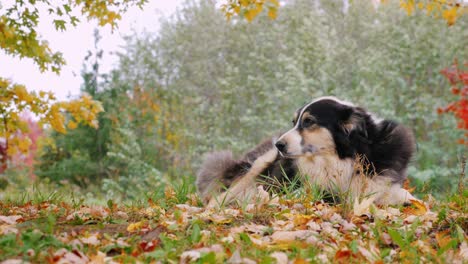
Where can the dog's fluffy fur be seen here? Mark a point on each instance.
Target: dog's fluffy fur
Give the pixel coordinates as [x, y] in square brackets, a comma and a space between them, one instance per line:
[329, 139]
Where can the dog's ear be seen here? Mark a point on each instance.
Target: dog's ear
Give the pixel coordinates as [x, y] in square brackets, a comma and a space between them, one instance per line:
[353, 137]
[353, 121]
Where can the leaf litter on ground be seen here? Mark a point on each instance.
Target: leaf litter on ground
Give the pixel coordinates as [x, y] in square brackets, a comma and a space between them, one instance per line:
[279, 230]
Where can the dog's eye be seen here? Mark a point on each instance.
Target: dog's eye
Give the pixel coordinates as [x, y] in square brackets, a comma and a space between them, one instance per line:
[307, 122]
[293, 121]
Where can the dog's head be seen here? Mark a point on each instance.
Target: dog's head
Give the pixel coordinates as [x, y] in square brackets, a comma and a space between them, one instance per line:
[325, 125]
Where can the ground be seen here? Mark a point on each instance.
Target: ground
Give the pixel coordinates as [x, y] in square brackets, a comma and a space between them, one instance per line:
[175, 228]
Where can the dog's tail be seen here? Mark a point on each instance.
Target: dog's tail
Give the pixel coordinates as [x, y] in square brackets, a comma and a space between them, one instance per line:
[217, 172]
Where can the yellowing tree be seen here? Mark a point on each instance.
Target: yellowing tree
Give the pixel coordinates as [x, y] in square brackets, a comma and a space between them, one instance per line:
[249, 9]
[19, 38]
[449, 10]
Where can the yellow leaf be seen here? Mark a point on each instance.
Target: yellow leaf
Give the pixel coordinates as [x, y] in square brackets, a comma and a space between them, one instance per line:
[21, 93]
[11, 151]
[408, 6]
[220, 219]
[419, 208]
[450, 15]
[244, 3]
[72, 125]
[23, 145]
[249, 15]
[302, 219]
[135, 226]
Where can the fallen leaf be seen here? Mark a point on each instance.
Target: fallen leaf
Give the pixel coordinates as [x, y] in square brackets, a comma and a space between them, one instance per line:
[87, 213]
[343, 256]
[464, 251]
[370, 256]
[280, 257]
[135, 226]
[14, 261]
[189, 256]
[195, 254]
[10, 220]
[258, 241]
[147, 246]
[347, 226]
[121, 215]
[189, 209]
[386, 239]
[410, 219]
[256, 229]
[301, 219]
[74, 256]
[220, 219]
[363, 207]
[99, 258]
[7, 229]
[291, 236]
[300, 261]
[312, 225]
[443, 238]
[235, 258]
[91, 240]
[417, 208]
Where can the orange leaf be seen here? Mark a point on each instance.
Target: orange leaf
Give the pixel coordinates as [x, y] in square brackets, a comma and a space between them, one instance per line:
[343, 256]
[417, 208]
[300, 261]
[443, 238]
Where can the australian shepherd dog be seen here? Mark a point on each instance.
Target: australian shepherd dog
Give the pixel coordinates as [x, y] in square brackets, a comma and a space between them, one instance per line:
[329, 138]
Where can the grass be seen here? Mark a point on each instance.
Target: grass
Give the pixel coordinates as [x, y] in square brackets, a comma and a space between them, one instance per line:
[170, 225]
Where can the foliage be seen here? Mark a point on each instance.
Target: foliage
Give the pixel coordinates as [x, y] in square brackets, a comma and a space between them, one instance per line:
[249, 9]
[458, 78]
[18, 37]
[15, 99]
[134, 177]
[26, 162]
[449, 10]
[19, 22]
[115, 154]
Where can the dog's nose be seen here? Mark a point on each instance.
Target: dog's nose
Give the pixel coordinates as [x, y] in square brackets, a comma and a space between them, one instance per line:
[280, 145]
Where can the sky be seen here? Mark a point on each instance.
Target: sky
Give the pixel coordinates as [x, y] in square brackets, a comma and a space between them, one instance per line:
[74, 44]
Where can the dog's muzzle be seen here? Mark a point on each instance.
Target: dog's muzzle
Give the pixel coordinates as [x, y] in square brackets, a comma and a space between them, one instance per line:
[283, 149]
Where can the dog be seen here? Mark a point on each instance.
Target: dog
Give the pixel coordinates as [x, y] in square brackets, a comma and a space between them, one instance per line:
[330, 140]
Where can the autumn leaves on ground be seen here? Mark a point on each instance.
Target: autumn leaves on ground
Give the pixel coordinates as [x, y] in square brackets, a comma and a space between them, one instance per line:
[172, 226]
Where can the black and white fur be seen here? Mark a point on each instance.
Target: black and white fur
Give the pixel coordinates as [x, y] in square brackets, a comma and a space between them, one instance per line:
[327, 137]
